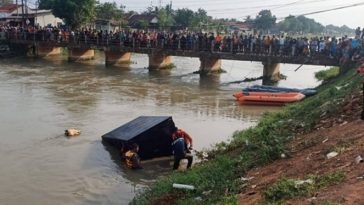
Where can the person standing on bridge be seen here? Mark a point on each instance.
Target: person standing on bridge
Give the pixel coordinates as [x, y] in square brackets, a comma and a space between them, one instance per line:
[357, 33]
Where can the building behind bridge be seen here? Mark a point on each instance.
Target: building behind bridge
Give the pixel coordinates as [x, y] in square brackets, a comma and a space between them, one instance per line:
[17, 15]
[143, 20]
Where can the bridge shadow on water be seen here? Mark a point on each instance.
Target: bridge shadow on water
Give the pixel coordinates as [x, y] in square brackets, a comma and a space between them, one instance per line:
[209, 81]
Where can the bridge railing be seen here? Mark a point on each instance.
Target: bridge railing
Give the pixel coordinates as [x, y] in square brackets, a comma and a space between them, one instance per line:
[196, 45]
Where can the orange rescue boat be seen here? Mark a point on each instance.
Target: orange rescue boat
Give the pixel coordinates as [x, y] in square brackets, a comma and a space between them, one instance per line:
[268, 98]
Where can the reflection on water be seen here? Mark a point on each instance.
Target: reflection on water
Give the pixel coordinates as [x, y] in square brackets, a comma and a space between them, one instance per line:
[41, 98]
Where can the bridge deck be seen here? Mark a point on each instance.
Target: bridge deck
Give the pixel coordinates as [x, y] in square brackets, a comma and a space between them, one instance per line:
[318, 59]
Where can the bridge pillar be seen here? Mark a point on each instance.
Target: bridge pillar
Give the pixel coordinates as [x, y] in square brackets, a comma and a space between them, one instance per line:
[210, 64]
[271, 71]
[46, 51]
[117, 58]
[80, 54]
[159, 61]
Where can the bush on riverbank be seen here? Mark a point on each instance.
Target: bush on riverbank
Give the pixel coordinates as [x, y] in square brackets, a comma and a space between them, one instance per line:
[326, 75]
[290, 188]
[220, 179]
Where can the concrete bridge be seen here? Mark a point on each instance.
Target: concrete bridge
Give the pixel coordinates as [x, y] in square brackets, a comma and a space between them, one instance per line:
[159, 58]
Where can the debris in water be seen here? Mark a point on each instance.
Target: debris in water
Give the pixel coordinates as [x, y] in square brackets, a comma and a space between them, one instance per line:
[72, 132]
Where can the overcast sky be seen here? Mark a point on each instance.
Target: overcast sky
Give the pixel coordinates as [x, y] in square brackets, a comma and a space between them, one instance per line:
[239, 9]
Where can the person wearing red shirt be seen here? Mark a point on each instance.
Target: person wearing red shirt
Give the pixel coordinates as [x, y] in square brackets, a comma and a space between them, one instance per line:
[182, 144]
[177, 133]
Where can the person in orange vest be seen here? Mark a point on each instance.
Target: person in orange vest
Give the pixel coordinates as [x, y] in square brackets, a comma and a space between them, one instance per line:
[132, 158]
[218, 41]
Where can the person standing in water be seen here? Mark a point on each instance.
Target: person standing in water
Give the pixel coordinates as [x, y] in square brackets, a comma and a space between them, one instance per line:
[132, 158]
[182, 143]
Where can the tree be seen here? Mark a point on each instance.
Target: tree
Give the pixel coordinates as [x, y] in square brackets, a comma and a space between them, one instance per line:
[142, 24]
[265, 20]
[200, 18]
[46, 4]
[165, 18]
[346, 30]
[336, 30]
[184, 17]
[300, 24]
[108, 11]
[75, 13]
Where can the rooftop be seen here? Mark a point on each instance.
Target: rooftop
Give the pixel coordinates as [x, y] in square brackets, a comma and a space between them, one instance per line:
[9, 8]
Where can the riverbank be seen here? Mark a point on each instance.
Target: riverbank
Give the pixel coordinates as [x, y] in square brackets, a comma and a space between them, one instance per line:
[260, 164]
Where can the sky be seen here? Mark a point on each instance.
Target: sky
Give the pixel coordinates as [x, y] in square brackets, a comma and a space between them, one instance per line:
[239, 9]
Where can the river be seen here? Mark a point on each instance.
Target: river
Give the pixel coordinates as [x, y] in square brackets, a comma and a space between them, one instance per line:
[42, 98]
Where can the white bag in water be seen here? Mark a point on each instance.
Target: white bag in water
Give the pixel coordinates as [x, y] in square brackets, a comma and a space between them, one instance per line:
[183, 186]
[72, 132]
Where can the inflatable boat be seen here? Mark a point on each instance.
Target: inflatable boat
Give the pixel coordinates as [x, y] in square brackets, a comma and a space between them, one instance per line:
[265, 88]
[268, 98]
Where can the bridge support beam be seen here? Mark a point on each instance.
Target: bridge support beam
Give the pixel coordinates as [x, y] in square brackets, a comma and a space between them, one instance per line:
[159, 61]
[80, 54]
[117, 58]
[47, 51]
[271, 72]
[210, 65]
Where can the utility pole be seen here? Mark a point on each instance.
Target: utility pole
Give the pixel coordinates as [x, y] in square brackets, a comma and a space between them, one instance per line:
[17, 9]
[36, 13]
[22, 13]
[26, 17]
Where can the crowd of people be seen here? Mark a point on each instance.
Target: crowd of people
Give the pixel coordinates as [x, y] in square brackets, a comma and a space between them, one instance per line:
[341, 48]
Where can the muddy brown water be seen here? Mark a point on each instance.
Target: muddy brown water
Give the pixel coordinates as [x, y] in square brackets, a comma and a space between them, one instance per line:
[39, 99]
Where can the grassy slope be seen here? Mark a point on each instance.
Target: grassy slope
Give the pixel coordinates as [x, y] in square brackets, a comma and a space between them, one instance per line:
[219, 180]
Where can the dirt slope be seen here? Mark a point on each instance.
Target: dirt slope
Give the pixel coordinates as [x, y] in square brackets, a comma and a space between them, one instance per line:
[343, 133]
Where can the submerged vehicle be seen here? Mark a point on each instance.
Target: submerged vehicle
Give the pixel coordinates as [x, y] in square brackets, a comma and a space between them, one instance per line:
[151, 133]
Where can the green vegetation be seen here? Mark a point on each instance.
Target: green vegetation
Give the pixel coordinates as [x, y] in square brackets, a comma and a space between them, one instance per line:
[290, 188]
[264, 20]
[75, 13]
[169, 67]
[217, 176]
[165, 17]
[182, 18]
[326, 203]
[256, 146]
[300, 24]
[109, 11]
[326, 75]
